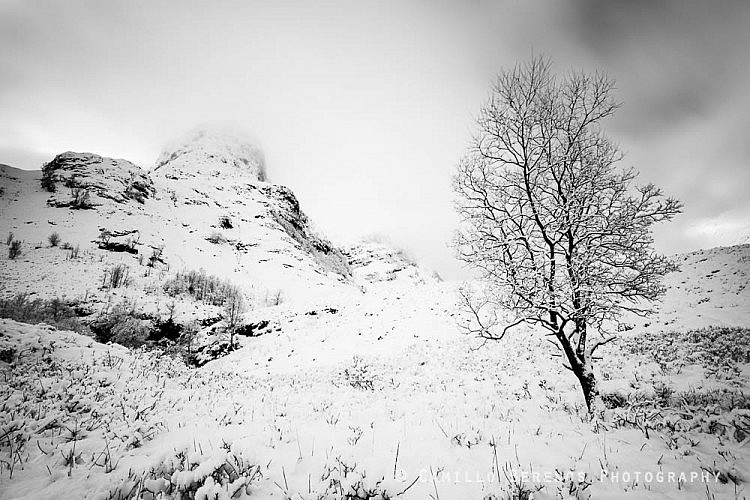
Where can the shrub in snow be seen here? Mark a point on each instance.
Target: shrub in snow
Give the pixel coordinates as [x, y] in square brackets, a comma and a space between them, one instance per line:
[54, 239]
[129, 333]
[104, 237]
[7, 354]
[234, 308]
[719, 349]
[683, 417]
[76, 415]
[117, 276]
[222, 474]
[48, 181]
[105, 241]
[73, 251]
[216, 238]
[14, 249]
[121, 325]
[9, 239]
[343, 478]
[358, 375]
[225, 222]
[55, 312]
[206, 288]
[80, 199]
[166, 329]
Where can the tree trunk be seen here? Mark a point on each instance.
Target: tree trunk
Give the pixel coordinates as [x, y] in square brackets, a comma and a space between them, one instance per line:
[588, 385]
[581, 367]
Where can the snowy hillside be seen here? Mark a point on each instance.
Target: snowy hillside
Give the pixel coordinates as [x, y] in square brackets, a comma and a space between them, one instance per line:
[210, 153]
[203, 207]
[373, 262]
[377, 395]
[352, 379]
[711, 287]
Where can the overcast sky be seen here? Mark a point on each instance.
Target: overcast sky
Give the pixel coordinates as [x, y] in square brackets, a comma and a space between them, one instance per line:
[364, 108]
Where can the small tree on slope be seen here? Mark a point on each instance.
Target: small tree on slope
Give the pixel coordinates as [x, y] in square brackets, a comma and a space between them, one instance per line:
[234, 308]
[560, 236]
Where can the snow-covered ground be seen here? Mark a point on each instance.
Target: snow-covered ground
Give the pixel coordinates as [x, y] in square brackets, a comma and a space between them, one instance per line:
[343, 396]
[363, 387]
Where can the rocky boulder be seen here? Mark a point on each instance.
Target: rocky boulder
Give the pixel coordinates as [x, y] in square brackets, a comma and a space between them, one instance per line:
[84, 180]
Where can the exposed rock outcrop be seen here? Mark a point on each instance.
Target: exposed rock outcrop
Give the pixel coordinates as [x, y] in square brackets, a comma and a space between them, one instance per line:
[228, 173]
[374, 261]
[84, 180]
[205, 205]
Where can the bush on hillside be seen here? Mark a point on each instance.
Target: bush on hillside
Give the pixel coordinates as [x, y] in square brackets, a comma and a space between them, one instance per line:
[56, 312]
[204, 287]
[117, 276]
[123, 325]
[225, 222]
[719, 349]
[80, 199]
[73, 251]
[187, 473]
[48, 181]
[14, 249]
[216, 238]
[54, 239]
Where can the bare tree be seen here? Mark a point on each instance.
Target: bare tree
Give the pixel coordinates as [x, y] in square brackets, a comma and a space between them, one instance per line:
[560, 234]
[234, 308]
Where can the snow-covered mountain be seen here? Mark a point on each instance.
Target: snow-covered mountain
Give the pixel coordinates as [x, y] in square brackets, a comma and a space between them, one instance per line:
[334, 399]
[205, 205]
[352, 378]
[210, 153]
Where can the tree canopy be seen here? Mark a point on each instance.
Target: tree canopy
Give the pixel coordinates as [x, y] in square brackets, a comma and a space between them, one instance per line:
[559, 233]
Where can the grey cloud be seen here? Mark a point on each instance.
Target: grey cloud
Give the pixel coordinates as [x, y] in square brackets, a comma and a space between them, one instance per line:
[368, 105]
[680, 60]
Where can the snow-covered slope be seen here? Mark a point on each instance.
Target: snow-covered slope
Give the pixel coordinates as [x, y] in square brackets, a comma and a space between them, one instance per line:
[206, 153]
[360, 384]
[711, 287]
[376, 395]
[374, 262]
[205, 206]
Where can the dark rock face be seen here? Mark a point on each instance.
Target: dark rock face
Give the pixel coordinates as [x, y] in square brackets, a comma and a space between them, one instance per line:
[230, 172]
[84, 180]
[296, 224]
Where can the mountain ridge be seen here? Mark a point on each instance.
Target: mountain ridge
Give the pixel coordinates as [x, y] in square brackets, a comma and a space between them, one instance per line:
[196, 209]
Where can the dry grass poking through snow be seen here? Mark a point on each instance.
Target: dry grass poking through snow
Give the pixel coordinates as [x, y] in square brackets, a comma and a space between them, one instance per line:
[375, 398]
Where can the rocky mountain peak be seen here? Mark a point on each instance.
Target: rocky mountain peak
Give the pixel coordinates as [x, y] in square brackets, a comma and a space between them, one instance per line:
[213, 153]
